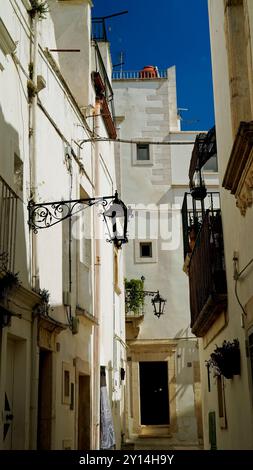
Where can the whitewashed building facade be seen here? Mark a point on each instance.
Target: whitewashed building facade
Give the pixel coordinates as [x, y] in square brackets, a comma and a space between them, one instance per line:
[163, 364]
[52, 350]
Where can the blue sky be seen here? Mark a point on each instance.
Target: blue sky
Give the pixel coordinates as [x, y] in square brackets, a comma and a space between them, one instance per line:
[165, 33]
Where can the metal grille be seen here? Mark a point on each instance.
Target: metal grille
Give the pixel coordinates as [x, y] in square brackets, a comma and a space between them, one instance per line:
[8, 225]
[207, 274]
[193, 213]
[137, 75]
[99, 29]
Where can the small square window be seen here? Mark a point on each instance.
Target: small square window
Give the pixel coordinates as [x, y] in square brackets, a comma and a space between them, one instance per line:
[146, 250]
[143, 152]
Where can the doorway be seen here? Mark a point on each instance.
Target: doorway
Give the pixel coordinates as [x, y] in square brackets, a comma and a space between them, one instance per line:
[154, 395]
[45, 401]
[84, 412]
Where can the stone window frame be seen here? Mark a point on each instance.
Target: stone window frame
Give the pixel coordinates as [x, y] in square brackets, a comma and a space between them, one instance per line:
[136, 162]
[144, 260]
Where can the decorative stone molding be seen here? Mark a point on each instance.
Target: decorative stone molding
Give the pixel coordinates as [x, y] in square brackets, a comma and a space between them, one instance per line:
[48, 329]
[238, 177]
[133, 323]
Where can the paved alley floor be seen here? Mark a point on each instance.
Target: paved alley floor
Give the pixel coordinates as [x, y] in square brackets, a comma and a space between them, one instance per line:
[158, 443]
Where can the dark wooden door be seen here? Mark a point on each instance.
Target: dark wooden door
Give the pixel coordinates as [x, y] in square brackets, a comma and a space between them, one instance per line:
[154, 394]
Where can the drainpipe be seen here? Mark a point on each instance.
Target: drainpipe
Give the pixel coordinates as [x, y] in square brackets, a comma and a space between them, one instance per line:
[97, 274]
[33, 146]
[33, 238]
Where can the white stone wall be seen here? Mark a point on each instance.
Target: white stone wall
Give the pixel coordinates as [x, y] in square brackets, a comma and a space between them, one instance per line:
[62, 169]
[237, 230]
[147, 111]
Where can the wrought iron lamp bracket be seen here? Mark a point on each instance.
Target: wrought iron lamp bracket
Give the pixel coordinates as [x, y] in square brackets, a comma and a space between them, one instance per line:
[47, 214]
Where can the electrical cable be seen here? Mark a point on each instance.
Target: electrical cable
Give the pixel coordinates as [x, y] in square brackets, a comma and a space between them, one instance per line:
[129, 141]
[238, 275]
[238, 300]
[244, 269]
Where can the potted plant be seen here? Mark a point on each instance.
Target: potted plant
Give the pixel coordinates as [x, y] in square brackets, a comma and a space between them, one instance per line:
[225, 360]
[134, 296]
[8, 282]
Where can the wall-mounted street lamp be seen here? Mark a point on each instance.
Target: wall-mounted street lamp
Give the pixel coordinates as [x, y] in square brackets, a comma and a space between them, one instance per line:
[47, 214]
[134, 295]
[157, 301]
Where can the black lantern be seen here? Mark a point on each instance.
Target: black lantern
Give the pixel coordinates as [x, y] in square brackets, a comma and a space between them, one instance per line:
[47, 214]
[197, 187]
[158, 303]
[116, 219]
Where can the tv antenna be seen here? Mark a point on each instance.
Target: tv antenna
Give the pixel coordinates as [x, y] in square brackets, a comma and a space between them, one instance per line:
[121, 58]
[188, 121]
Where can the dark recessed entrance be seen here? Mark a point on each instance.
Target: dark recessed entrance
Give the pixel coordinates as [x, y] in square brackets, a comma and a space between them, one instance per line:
[154, 395]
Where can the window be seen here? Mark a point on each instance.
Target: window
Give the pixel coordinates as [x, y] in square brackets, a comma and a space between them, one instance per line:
[66, 383]
[72, 396]
[66, 392]
[146, 250]
[143, 152]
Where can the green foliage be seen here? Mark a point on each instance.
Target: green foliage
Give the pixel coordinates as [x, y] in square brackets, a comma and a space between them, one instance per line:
[44, 293]
[134, 299]
[8, 282]
[39, 7]
[42, 307]
[225, 360]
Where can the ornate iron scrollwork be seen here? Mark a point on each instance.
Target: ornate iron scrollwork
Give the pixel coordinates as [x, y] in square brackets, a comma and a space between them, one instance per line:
[47, 214]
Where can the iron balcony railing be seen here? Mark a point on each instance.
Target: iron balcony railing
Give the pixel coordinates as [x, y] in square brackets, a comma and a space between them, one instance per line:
[104, 89]
[99, 29]
[207, 275]
[8, 226]
[193, 213]
[137, 75]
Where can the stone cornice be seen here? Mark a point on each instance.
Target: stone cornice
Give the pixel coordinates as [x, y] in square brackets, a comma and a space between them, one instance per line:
[238, 178]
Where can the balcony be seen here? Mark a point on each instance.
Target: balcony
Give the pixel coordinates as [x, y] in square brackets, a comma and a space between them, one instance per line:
[193, 213]
[134, 305]
[207, 275]
[8, 226]
[138, 75]
[104, 93]
[203, 241]
[99, 30]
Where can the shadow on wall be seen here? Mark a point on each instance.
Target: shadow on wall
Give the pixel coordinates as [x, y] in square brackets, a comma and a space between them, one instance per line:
[11, 170]
[186, 356]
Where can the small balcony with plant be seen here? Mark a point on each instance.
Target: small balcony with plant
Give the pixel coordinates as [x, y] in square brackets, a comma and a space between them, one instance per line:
[134, 306]
[104, 93]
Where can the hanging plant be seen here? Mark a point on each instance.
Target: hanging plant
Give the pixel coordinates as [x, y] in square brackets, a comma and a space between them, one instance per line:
[8, 282]
[225, 360]
[39, 7]
[134, 298]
